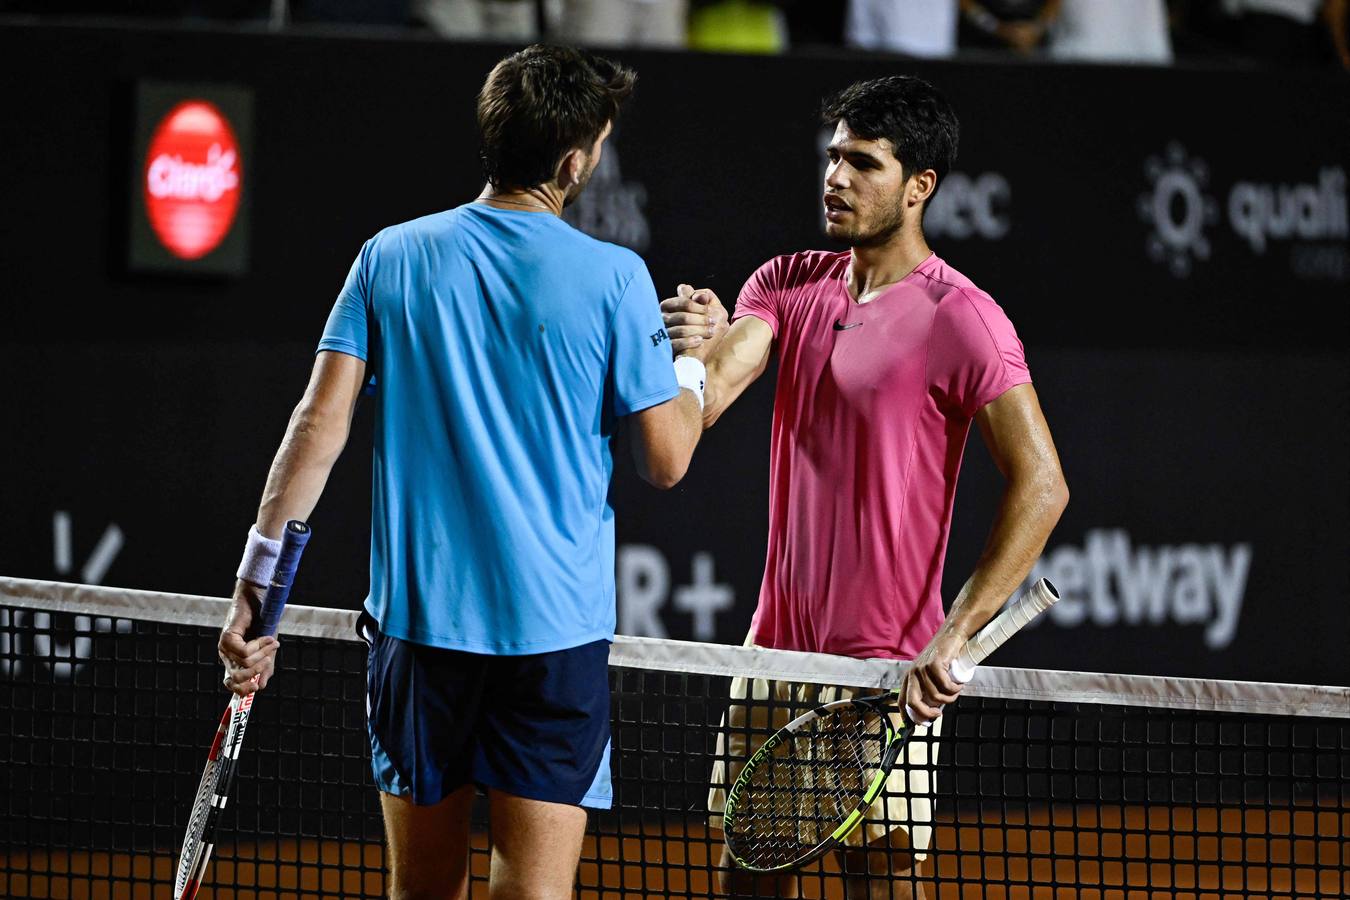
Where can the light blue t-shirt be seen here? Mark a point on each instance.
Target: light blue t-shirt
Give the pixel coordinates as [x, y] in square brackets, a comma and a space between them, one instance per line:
[505, 344]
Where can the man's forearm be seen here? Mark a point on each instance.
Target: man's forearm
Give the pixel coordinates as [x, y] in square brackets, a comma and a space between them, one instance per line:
[301, 468]
[739, 359]
[1027, 514]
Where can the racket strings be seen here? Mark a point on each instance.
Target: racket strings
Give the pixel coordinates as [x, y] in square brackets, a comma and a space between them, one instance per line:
[201, 809]
[797, 796]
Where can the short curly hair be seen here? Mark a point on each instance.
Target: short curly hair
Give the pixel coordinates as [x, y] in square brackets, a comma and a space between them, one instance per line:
[540, 103]
[918, 121]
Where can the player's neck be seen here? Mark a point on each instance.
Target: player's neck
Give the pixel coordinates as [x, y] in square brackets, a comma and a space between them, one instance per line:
[542, 198]
[875, 267]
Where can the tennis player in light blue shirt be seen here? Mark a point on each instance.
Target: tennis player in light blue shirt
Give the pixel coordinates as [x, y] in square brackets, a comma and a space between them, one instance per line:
[509, 344]
[505, 347]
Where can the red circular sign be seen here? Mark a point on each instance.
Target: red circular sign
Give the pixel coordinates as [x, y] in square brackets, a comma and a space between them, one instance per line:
[192, 179]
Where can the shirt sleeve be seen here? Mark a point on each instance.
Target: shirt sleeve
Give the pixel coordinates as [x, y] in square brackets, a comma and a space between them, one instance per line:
[759, 296]
[348, 327]
[975, 354]
[640, 371]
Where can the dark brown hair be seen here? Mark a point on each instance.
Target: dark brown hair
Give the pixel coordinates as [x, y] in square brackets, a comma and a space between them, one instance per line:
[919, 122]
[538, 104]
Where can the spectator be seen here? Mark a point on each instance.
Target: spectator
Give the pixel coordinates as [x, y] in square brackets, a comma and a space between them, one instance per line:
[1132, 31]
[511, 21]
[738, 26]
[1018, 25]
[914, 27]
[624, 23]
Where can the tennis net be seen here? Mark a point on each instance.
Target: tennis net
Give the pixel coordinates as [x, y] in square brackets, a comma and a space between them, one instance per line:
[1042, 784]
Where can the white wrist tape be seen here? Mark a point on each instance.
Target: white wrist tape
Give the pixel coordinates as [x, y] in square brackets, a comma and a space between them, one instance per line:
[260, 558]
[691, 374]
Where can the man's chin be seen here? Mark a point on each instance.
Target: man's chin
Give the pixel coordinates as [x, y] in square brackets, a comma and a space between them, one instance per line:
[837, 232]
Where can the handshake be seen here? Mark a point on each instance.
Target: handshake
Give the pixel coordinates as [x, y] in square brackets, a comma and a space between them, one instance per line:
[695, 321]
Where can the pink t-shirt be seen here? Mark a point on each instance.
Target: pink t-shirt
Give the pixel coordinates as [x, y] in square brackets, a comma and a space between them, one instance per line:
[873, 406]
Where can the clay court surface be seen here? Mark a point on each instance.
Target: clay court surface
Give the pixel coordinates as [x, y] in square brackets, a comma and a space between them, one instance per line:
[1088, 853]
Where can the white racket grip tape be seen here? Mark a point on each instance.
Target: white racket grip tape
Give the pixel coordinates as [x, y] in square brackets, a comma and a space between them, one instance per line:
[1033, 601]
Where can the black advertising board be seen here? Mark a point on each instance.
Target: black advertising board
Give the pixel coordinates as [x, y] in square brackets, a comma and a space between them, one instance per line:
[1174, 264]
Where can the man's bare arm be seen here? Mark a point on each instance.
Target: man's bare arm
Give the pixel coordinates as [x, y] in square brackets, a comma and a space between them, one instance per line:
[740, 358]
[734, 361]
[314, 439]
[664, 438]
[1018, 438]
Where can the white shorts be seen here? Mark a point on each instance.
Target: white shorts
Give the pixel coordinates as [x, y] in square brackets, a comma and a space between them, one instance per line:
[906, 802]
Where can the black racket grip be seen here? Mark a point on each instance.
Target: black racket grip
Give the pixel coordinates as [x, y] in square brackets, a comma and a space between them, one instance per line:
[293, 541]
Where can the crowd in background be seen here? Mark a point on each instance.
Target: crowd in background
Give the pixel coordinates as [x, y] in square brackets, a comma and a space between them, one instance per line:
[1281, 32]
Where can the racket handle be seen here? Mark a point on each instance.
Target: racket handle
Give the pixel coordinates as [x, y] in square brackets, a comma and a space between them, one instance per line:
[1034, 601]
[293, 541]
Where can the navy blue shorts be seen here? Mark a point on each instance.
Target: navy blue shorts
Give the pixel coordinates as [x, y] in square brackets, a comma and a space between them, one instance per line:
[535, 726]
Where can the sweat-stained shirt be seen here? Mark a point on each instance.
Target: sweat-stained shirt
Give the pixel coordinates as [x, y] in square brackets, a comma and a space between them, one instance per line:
[873, 405]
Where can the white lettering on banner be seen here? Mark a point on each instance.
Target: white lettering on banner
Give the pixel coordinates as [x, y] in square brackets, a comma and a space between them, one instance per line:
[98, 563]
[1180, 209]
[1307, 211]
[169, 176]
[27, 636]
[703, 597]
[1108, 581]
[643, 588]
[966, 207]
[642, 583]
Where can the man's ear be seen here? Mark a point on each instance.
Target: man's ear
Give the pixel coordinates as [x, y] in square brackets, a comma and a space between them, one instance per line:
[921, 186]
[570, 168]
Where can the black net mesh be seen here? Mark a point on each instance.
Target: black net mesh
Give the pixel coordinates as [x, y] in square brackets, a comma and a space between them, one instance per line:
[104, 726]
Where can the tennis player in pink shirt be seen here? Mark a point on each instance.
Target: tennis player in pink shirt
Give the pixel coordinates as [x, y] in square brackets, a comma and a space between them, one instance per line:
[886, 356]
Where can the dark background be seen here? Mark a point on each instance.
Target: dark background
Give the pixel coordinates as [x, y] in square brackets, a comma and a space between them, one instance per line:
[1197, 392]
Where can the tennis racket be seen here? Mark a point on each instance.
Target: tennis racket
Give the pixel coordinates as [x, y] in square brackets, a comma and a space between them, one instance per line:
[807, 788]
[214, 788]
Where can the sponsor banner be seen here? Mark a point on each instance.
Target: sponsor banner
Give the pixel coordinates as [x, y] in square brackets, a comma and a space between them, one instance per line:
[1188, 228]
[1309, 218]
[1205, 535]
[190, 173]
[1175, 279]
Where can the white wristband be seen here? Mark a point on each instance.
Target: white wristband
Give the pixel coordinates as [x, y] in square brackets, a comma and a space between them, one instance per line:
[260, 558]
[691, 374]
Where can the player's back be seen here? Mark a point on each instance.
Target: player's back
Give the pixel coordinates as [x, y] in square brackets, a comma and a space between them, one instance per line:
[491, 341]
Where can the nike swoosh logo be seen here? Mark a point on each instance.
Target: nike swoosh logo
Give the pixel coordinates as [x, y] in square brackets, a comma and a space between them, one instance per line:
[840, 326]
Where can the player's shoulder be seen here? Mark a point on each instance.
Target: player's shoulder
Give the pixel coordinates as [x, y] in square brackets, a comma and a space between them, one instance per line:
[616, 256]
[946, 285]
[393, 237]
[800, 269]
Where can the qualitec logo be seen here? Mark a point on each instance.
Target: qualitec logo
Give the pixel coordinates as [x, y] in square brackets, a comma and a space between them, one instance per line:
[192, 179]
[1179, 209]
[1309, 219]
